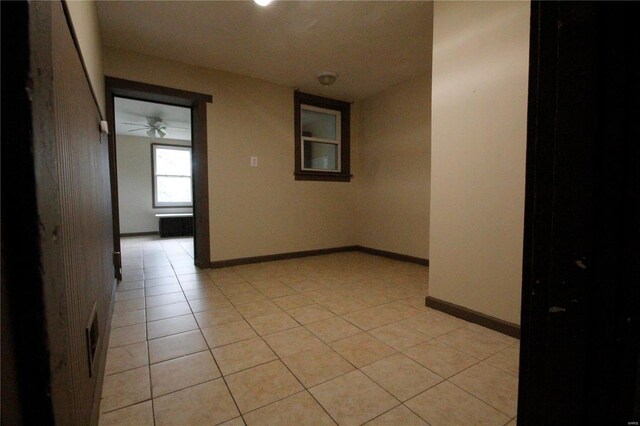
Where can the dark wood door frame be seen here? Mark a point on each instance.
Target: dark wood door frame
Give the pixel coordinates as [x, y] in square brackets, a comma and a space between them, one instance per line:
[581, 293]
[116, 87]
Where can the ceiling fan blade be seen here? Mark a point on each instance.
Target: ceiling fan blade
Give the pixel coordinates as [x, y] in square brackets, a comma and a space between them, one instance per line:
[135, 124]
[162, 132]
[178, 128]
[151, 133]
[137, 130]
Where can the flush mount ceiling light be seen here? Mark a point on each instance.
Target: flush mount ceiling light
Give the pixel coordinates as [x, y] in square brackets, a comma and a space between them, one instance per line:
[327, 78]
[263, 2]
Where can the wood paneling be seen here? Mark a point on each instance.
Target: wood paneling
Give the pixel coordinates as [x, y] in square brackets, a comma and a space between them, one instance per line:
[74, 206]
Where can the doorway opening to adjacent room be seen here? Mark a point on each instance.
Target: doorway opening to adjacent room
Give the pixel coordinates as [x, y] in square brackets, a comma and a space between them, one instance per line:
[158, 167]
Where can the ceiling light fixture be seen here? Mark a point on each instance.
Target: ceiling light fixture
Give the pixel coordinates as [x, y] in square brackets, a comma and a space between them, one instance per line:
[263, 2]
[327, 78]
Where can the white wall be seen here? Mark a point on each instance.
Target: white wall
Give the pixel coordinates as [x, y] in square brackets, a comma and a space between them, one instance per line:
[135, 196]
[84, 17]
[394, 158]
[479, 121]
[253, 210]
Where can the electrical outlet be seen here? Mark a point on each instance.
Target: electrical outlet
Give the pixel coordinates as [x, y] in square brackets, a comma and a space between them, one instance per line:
[254, 161]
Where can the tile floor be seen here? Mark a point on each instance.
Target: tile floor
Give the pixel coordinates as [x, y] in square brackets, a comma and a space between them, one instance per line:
[336, 339]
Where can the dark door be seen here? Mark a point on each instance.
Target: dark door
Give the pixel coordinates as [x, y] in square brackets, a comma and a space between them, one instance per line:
[581, 305]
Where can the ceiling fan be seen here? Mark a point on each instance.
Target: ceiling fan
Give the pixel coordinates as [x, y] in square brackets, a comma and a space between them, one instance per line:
[155, 127]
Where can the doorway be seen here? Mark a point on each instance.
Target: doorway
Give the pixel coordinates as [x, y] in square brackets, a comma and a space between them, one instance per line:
[145, 104]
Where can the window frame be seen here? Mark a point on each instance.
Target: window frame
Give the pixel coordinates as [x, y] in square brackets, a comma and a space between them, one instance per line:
[164, 205]
[342, 110]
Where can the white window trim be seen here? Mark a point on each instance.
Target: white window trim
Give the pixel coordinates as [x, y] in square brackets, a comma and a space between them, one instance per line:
[161, 204]
[337, 141]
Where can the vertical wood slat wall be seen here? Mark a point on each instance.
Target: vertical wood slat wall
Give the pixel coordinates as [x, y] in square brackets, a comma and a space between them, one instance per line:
[84, 225]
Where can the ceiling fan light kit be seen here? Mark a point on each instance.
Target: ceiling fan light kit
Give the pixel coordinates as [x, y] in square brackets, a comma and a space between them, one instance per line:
[155, 127]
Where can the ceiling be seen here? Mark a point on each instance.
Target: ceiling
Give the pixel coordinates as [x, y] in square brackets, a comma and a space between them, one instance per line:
[372, 45]
[178, 119]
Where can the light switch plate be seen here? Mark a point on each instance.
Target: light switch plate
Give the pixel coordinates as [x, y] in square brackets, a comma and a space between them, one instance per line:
[254, 161]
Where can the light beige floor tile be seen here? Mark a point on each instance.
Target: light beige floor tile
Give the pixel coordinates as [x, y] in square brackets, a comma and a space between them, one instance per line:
[258, 309]
[401, 376]
[180, 373]
[367, 319]
[154, 282]
[126, 358]
[447, 404]
[202, 293]
[168, 311]
[134, 415]
[440, 358]
[243, 355]
[399, 336]
[506, 360]
[200, 276]
[209, 304]
[333, 329]
[176, 345]
[129, 294]
[310, 314]
[262, 385]
[494, 335]
[158, 272]
[353, 399]
[513, 422]
[128, 305]
[163, 289]
[165, 299]
[342, 305]
[132, 275]
[399, 416]
[317, 366]
[218, 316]
[434, 325]
[249, 296]
[234, 288]
[304, 285]
[225, 334]
[289, 342]
[480, 346]
[122, 319]
[131, 285]
[299, 409]
[492, 385]
[127, 335]
[362, 349]
[272, 323]
[293, 301]
[205, 404]
[234, 422]
[201, 284]
[278, 290]
[169, 326]
[126, 388]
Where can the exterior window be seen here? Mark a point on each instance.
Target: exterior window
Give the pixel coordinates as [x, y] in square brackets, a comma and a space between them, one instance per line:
[171, 169]
[322, 148]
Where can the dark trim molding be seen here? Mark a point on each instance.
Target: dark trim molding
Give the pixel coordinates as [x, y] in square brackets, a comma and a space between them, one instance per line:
[475, 317]
[395, 256]
[138, 234]
[280, 256]
[306, 253]
[344, 175]
[170, 96]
